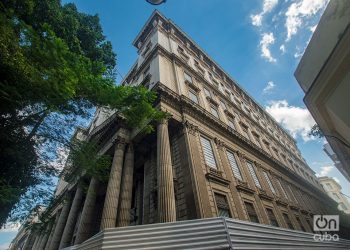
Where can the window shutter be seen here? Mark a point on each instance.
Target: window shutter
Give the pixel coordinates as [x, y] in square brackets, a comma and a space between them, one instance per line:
[269, 182]
[208, 152]
[283, 191]
[253, 174]
[234, 166]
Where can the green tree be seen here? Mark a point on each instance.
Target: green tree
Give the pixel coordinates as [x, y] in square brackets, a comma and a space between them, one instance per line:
[55, 67]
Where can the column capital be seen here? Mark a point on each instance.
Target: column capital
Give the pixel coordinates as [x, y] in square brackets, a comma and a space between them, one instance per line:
[220, 144]
[164, 121]
[120, 141]
[192, 129]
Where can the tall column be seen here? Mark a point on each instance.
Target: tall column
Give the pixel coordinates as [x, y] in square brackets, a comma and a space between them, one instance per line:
[36, 242]
[43, 238]
[166, 196]
[48, 243]
[126, 189]
[72, 218]
[29, 242]
[86, 219]
[110, 208]
[61, 223]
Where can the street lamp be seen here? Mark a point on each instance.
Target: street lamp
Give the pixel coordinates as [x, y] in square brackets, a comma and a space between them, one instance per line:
[156, 2]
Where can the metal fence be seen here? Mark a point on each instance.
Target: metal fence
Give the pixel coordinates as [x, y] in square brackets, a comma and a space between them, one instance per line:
[213, 233]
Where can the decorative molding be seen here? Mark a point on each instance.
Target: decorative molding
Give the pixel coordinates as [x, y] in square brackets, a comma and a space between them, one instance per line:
[243, 187]
[219, 143]
[216, 176]
[192, 129]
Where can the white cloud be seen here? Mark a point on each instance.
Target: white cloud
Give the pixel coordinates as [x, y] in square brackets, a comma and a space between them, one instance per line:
[299, 11]
[298, 121]
[325, 171]
[10, 227]
[266, 41]
[256, 19]
[268, 5]
[270, 85]
[61, 158]
[336, 179]
[312, 28]
[4, 246]
[283, 49]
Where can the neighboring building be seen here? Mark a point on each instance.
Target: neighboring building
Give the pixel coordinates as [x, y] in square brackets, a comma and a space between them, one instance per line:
[324, 75]
[329, 151]
[220, 154]
[25, 237]
[333, 189]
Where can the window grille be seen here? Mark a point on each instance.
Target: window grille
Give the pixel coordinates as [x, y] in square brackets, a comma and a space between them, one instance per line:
[222, 205]
[272, 217]
[253, 216]
[288, 221]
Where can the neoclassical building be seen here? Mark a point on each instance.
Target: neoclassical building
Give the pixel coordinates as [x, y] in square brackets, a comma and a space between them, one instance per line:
[220, 154]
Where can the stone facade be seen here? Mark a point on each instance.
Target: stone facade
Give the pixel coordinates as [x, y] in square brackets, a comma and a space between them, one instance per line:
[220, 153]
[333, 189]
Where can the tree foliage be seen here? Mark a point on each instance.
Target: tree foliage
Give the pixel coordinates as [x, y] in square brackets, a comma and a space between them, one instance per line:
[55, 67]
[316, 131]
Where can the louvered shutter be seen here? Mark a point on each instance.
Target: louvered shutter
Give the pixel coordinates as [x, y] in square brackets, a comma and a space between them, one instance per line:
[253, 174]
[269, 182]
[234, 166]
[208, 152]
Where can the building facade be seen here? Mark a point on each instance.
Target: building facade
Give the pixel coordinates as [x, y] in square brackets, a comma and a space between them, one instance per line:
[333, 189]
[324, 75]
[220, 154]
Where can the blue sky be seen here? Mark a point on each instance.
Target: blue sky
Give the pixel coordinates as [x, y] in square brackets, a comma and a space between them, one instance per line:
[258, 42]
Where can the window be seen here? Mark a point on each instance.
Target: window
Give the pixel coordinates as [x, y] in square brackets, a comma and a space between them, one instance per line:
[208, 152]
[253, 217]
[222, 205]
[293, 195]
[223, 105]
[193, 95]
[233, 163]
[272, 217]
[269, 182]
[257, 140]
[288, 221]
[231, 123]
[336, 196]
[245, 132]
[283, 191]
[207, 92]
[146, 71]
[253, 174]
[188, 78]
[214, 111]
[328, 186]
[147, 49]
[300, 224]
[342, 206]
